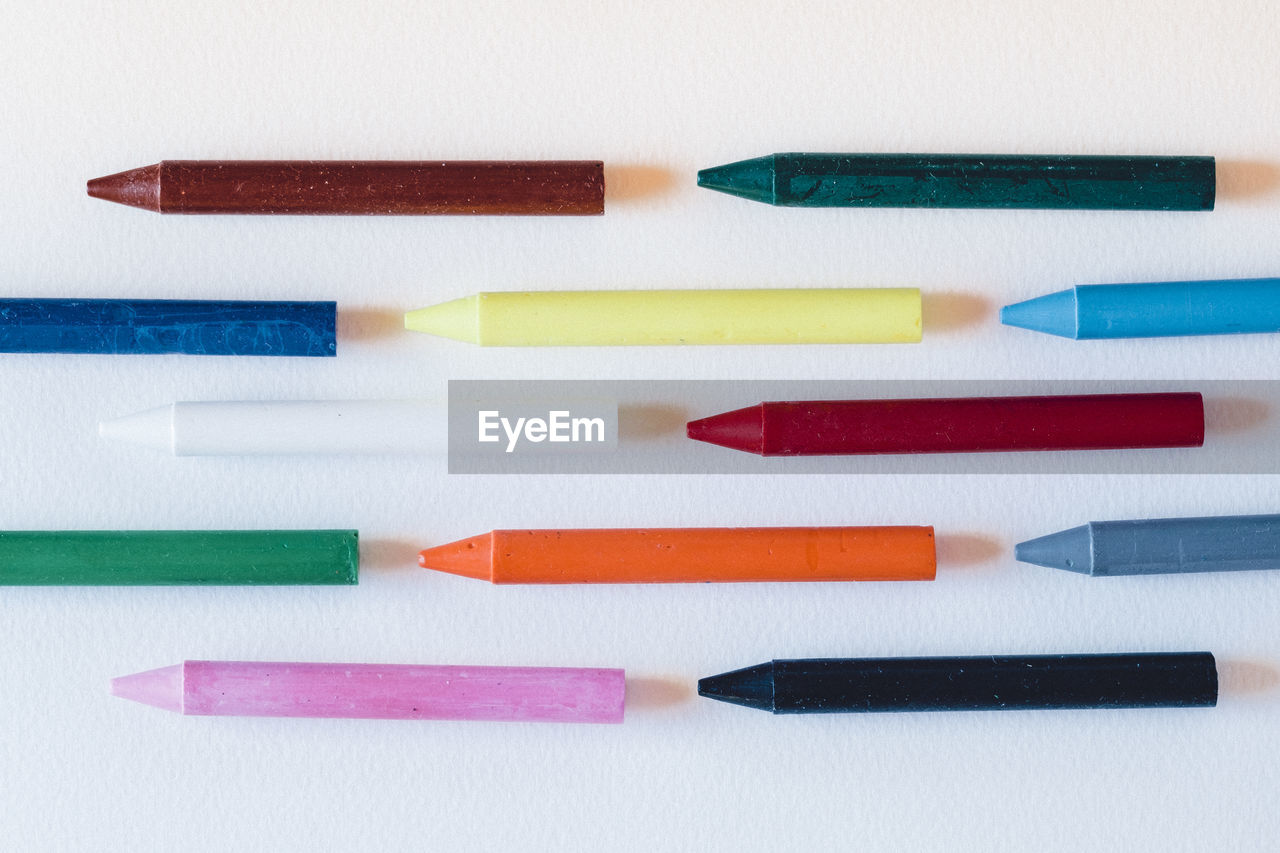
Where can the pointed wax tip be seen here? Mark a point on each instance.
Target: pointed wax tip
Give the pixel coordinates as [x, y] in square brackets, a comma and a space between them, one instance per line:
[468, 558]
[135, 188]
[1052, 314]
[749, 179]
[151, 428]
[1069, 550]
[161, 688]
[751, 687]
[741, 429]
[458, 319]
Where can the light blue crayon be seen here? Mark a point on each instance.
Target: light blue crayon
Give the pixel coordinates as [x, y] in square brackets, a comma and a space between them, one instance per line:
[1229, 543]
[1159, 310]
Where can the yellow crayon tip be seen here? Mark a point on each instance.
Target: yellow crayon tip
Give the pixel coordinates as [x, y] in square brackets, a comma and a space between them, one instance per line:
[458, 319]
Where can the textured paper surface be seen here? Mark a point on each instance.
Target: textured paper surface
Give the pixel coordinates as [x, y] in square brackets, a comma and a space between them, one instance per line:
[657, 90]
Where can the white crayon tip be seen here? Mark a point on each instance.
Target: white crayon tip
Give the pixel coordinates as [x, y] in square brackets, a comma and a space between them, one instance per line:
[152, 428]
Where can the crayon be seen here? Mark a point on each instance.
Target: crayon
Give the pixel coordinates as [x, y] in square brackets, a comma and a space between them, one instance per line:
[301, 427]
[671, 317]
[1157, 310]
[178, 557]
[1231, 543]
[156, 326]
[690, 555]
[381, 691]
[958, 425]
[1077, 182]
[987, 683]
[360, 187]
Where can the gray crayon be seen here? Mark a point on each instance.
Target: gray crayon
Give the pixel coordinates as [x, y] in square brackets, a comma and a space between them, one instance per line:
[1229, 543]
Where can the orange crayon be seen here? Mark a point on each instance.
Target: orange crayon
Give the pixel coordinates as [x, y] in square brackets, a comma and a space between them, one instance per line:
[690, 555]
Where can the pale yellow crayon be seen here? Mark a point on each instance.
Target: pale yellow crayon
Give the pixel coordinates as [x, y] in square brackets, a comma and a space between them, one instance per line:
[674, 317]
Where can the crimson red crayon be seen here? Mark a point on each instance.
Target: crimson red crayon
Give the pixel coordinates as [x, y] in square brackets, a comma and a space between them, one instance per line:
[958, 425]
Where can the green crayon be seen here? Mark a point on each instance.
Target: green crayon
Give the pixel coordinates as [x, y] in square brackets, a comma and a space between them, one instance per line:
[178, 557]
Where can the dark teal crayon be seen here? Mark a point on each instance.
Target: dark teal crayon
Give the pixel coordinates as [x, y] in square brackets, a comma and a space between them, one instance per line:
[1081, 182]
[155, 326]
[1229, 543]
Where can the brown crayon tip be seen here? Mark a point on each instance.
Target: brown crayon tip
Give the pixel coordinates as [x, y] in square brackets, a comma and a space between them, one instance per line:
[136, 188]
[469, 558]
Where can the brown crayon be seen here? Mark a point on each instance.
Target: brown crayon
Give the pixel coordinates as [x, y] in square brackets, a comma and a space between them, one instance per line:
[388, 188]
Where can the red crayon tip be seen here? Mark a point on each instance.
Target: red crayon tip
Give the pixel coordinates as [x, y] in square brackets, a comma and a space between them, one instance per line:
[136, 187]
[470, 558]
[741, 429]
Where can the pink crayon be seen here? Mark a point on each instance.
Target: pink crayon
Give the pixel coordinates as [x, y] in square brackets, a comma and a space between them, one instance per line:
[381, 691]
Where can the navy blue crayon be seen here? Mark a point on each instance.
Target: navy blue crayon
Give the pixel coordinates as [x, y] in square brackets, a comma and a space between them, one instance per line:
[987, 683]
[1229, 543]
[154, 326]
[1157, 310]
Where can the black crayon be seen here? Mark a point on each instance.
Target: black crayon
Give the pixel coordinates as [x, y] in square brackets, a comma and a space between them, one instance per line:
[989, 683]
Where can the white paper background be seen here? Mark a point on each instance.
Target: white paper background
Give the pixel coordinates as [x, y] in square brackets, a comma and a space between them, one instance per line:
[657, 90]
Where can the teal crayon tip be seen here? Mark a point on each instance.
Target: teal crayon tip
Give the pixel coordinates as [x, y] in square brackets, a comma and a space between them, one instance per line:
[1069, 550]
[749, 179]
[1053, 314]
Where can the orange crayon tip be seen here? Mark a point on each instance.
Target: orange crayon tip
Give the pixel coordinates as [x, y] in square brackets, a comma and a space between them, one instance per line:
[469, 558]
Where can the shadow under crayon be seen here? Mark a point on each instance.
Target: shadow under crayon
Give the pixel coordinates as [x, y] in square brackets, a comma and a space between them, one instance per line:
[656, 693]
[634, 183]
[1243, 676]
[389, 555]
[948, 311]
[362, 324]
[967, 549]
[1234, 414]
[1240, 179]
[639, 423]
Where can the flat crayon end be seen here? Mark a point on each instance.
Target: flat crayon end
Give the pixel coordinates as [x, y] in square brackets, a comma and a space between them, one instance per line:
[1069, 550]
[751, 687]
[152, 428]
[741, 429]
[161, 688]
[135, 188]
[468, 558]
[458, 319]
[749, 179]
[1053, 314]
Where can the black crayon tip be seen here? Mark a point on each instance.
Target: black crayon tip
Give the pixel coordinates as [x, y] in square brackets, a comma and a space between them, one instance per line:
[752, 687]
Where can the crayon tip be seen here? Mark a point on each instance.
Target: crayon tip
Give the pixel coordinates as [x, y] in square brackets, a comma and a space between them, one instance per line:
[751, 687]
[161, 688]
[1070, 550]
[468, 558]
[135, 188]
[458, 319]
[750, 179]
[152, 428]
[1053, 314]
[741, 429]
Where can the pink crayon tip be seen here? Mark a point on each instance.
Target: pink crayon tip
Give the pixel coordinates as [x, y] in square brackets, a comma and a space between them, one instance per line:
[159, 687]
